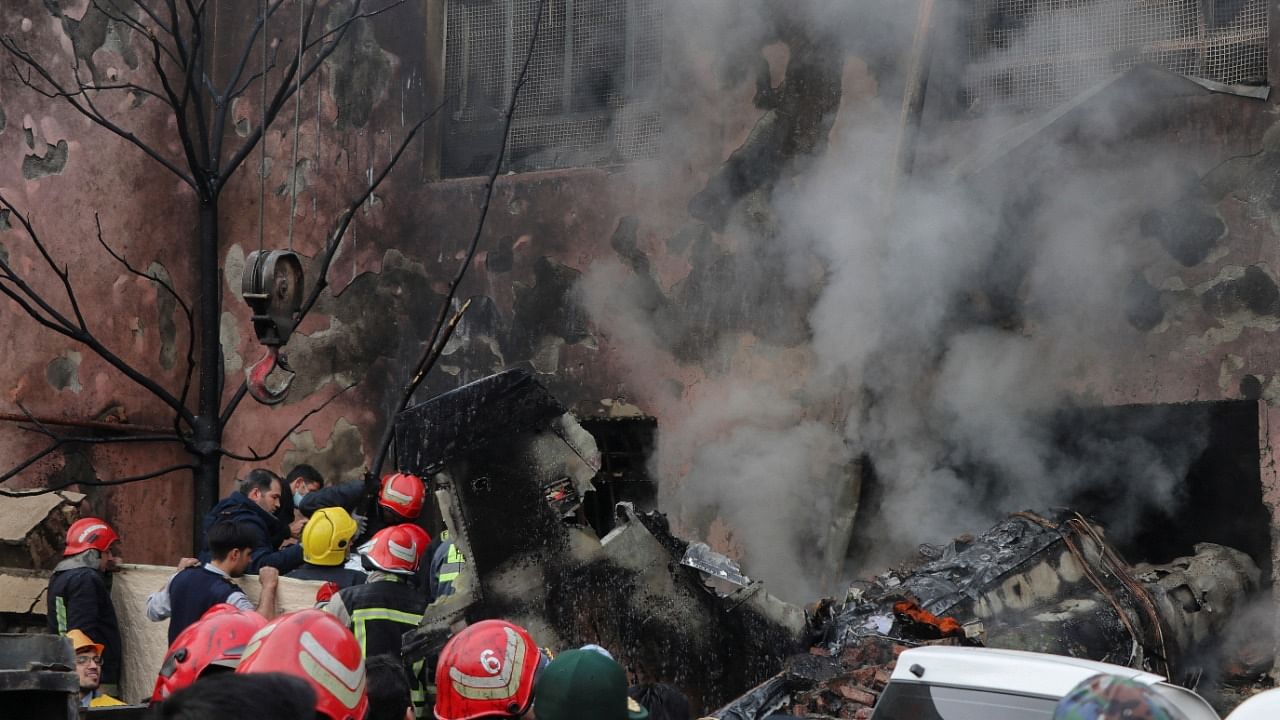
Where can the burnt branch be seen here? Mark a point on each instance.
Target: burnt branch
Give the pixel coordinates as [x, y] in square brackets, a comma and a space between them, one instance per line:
[335, 241]
[81, 103]
[295, 76]
[167, 287]
[442, 326]
[249, 44]
[255, 456]
[33, 303]
[59, 440]
[97, 483]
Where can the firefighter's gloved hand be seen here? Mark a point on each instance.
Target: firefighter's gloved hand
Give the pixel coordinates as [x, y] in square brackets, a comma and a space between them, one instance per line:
[362, 524]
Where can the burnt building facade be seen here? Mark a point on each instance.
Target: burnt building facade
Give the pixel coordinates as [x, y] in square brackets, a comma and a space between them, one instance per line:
[877, 274]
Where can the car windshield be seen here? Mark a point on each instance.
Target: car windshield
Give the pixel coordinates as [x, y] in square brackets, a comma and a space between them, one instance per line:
[919, 701]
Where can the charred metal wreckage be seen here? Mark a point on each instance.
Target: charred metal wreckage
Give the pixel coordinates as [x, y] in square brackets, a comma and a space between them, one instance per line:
[511, 466]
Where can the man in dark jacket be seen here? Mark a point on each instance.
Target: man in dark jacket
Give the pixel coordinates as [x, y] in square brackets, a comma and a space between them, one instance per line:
[302, 479]
[252, 506]
[79, 595]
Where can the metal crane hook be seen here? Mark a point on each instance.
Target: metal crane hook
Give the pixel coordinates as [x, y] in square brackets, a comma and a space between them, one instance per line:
[256, 377]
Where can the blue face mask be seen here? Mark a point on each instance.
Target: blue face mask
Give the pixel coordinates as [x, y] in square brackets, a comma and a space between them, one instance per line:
[297, 499]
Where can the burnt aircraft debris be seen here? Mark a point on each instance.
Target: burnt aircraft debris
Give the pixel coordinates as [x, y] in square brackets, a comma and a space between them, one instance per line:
[511, 467]
[501, 452]
[1029, 583]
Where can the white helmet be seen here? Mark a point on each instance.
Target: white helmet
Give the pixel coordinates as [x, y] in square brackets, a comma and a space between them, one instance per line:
[1263, 706]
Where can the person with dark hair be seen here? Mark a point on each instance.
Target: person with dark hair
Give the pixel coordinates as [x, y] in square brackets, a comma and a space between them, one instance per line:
[253, 505]
[300, 481]
[664, 701]
[388, 689]
[194, 590]
[265, 696]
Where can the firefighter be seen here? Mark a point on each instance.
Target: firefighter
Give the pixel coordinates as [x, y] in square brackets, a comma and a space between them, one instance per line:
[446, 564]
[193, 591]
[474, 660]
[326, 544]
[387, 606]
[89, 669]
[213, 644]
[400, 500]
[422, 579]
[314, 646]
[79, 594]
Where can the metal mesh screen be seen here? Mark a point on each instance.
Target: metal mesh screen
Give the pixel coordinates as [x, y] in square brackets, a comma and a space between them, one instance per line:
[590, 98]
[1029, 54]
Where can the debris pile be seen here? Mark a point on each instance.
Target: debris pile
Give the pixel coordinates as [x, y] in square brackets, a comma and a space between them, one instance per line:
[1051, 585]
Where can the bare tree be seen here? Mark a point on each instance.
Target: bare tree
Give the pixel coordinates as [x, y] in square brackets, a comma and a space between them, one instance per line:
[177, 74]
[199, 101]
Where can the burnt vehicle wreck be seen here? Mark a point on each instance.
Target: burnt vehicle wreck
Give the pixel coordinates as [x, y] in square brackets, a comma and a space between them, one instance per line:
[511, 467]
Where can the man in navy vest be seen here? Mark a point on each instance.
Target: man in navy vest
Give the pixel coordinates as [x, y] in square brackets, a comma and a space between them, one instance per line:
[194, 590]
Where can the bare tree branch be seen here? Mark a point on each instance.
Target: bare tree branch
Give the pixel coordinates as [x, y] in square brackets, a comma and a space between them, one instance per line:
[335, 241]
[255, 456]
[97, 483]
[58, 441]
[84, 108]
[348, 21]
[26, 296]
[222, 102]
[441, 326]
[186, 311]
[288, 86]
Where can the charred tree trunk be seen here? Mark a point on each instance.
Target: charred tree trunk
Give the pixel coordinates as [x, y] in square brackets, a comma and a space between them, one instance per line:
[208, 430]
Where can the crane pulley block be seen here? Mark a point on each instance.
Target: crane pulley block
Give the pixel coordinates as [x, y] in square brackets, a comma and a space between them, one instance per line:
[272, 286]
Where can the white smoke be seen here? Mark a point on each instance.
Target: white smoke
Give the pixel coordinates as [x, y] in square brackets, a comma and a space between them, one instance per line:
[943, 335]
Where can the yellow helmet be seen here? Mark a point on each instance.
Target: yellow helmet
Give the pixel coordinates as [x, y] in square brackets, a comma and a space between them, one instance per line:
[326, 538]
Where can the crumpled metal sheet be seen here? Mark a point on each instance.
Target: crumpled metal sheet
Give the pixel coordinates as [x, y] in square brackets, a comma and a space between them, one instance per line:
[967, 569]
[702, 558]
[455, 423]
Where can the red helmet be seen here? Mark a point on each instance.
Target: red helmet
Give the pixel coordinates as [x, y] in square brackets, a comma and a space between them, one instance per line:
[314, 646]
[89, 534]
[403, 494]
[395, 549]
[421, 535]
[216, 639]
[486, 671]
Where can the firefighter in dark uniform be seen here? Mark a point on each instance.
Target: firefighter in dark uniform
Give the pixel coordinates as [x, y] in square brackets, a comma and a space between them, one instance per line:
[446, 563]
[79, 595]
[326, 544]
[388, 605]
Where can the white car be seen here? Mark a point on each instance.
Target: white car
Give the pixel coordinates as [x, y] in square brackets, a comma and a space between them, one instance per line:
[956, 683]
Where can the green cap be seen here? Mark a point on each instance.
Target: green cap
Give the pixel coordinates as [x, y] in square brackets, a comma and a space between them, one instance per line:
[584, 685]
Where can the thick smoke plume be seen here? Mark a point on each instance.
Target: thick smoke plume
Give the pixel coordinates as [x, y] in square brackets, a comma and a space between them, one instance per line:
[946, 322]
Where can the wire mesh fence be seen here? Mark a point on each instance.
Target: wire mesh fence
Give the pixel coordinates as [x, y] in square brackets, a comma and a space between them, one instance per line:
[1029, 54]
[590, 98]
